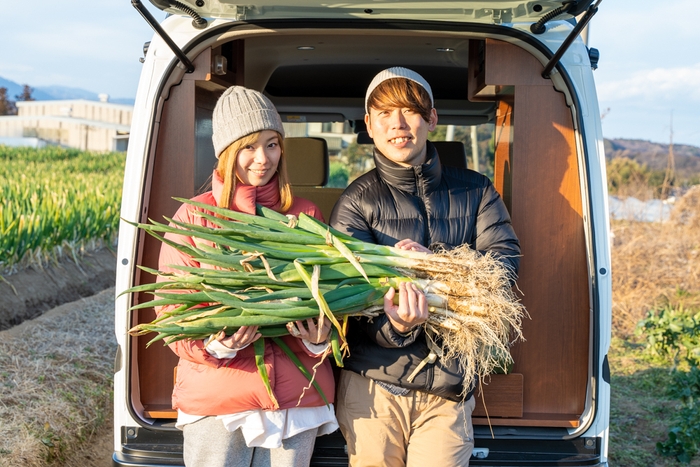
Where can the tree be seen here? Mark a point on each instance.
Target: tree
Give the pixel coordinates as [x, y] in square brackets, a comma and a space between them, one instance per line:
[627, 177]
[339, 175]
[358, 157]
[485, 141]
[7, 107]
[26, 94]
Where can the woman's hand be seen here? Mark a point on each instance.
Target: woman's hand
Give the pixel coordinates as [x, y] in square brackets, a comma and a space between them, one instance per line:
[244, 336]
[311, 332]
[408, 244]
[411, 311]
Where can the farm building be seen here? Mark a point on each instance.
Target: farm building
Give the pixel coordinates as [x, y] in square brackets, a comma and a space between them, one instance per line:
[82, 124]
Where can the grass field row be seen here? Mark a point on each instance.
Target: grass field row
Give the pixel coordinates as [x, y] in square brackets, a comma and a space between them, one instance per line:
[56, 199]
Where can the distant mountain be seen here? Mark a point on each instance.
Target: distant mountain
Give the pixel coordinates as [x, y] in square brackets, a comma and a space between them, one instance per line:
[52, 93]
[655, 155]
[13, 89]
[64, 92]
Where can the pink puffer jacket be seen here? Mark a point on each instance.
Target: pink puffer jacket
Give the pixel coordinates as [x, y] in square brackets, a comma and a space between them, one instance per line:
[206, 385]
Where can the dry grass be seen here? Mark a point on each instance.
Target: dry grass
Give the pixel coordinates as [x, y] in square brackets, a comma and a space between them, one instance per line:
[55, 381]
[656, 263]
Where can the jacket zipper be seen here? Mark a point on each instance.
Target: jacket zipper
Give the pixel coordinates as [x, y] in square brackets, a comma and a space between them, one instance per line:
[426, 241]
[424, 211]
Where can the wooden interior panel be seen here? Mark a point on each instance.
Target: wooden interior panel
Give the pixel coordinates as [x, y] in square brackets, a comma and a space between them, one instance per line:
[509, 65]
[173, 167]
[537, 174]
[553, 271]
[173, 174]
[500, 396]
[503, 150]
[476, 78]
[536, 171]
[204, 158]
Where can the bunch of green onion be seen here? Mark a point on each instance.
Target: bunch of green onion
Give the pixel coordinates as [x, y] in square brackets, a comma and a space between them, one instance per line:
[269, 270]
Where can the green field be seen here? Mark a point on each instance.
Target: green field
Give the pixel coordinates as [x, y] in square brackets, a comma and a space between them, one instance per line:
[56, 201]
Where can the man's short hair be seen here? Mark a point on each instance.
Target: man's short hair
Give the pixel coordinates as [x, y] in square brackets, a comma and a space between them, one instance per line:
[401, 93]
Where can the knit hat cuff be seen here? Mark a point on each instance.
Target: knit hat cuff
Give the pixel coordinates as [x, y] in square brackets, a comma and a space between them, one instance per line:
[397, 72]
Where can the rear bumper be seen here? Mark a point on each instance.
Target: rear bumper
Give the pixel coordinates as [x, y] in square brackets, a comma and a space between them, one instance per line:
[150, 448]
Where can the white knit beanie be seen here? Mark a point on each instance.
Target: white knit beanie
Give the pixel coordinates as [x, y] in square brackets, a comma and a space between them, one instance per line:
[397, 72]
[240, 112]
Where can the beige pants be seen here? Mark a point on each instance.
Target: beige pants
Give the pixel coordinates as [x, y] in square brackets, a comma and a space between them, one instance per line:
[415, 430]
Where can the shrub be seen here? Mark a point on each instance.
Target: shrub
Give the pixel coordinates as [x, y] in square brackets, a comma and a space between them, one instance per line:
[675, 332]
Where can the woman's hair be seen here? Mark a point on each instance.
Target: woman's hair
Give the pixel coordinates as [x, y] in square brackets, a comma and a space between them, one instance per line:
[401, 93]
[226, 168]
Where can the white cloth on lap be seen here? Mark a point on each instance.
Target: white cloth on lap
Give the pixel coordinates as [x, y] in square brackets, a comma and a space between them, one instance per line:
[267, 428]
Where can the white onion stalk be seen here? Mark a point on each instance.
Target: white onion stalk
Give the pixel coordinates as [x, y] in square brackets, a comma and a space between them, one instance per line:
[261, 277]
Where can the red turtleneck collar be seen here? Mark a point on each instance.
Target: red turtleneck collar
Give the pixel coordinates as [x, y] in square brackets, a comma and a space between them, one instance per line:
[245, 197]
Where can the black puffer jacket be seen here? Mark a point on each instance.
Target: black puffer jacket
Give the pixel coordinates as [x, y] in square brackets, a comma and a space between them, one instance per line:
[433, 205]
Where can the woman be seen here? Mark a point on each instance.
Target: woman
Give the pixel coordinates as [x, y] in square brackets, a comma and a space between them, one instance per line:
[224, 410]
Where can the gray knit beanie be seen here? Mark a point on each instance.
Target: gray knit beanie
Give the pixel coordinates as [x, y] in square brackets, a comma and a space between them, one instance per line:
[240, 112]
[397, 72]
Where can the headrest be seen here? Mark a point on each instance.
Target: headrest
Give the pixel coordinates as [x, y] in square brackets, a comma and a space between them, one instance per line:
[364, 138]
[307, 161]
[451, 153]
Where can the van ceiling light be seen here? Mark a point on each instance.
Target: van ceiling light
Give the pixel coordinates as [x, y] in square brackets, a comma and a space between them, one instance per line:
[306, 47]
[445, 49]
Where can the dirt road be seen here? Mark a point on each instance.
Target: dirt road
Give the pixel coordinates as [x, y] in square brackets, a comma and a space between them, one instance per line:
[66, 307]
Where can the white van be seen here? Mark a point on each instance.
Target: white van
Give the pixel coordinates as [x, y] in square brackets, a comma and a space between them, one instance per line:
[515, 68]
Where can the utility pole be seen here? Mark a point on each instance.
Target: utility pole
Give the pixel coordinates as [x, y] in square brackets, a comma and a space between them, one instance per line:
[450, 133]
[475, 149]
[670, 166]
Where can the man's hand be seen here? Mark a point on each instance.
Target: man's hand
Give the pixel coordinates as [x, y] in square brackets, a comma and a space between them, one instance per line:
[239, 339]
[311, 332]
[408, 244]
[411, 311]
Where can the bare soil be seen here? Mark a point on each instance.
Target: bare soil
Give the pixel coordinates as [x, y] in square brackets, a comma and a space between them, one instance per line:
[56, 365]
[37, 289]
[97, 447]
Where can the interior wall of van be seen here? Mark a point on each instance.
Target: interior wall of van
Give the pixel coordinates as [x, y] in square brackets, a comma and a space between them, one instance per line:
[536, 172]
[538, 139]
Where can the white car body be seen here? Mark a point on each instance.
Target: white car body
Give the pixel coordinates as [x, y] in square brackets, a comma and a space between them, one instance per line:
[581, 436]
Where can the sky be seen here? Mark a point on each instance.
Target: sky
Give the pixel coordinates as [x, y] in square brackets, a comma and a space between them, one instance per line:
[648, 76]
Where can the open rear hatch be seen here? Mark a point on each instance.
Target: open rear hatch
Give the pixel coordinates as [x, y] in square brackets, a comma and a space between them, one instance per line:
[539, 410]
[500, 11]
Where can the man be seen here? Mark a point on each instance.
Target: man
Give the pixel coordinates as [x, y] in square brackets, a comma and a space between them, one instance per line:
[400, 404]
